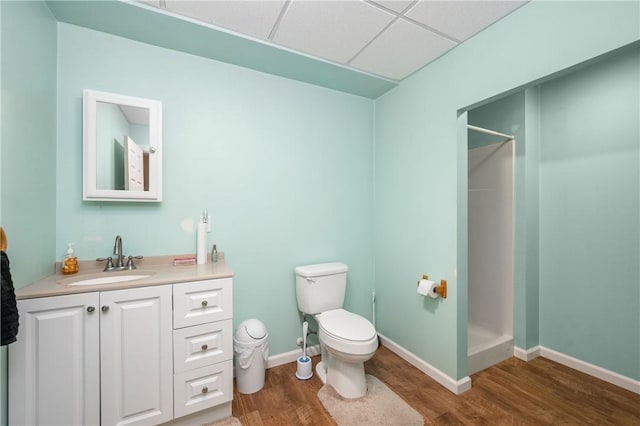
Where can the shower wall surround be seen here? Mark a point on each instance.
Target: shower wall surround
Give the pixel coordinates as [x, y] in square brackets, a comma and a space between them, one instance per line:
[510, 114]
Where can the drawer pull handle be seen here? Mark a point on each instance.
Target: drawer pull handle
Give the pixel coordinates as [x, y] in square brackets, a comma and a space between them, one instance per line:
[205, 389]
[105, 308]
[205, 347]
[204, 303]
[90, 309]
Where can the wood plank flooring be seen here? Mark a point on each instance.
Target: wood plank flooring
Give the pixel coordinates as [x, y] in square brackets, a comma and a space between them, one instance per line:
[514, 392]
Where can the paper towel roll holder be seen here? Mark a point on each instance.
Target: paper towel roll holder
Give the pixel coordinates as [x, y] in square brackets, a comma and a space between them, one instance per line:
[441, 289]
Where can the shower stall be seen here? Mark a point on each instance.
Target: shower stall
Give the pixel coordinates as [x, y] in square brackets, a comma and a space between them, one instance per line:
[490, 249]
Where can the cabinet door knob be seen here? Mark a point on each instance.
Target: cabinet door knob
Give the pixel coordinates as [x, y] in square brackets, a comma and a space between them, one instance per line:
[205, 389]
[91, 309]
[204, 303]
[205, 347]
[104, 308]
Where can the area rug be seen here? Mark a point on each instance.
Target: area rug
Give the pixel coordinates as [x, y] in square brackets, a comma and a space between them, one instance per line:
[379, 407]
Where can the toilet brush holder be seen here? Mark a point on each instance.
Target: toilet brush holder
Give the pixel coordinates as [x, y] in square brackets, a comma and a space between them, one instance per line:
[305, 369]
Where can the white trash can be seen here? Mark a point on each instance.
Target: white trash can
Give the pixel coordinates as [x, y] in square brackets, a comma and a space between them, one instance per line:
[251, 350]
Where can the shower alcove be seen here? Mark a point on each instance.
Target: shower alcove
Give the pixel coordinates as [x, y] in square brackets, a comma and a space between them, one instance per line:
[491, 157]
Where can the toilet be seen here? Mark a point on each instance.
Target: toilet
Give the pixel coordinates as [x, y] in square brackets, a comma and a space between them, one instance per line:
[347, 340]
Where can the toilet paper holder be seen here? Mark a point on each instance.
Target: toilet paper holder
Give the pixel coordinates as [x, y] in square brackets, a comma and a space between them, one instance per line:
[441, 289]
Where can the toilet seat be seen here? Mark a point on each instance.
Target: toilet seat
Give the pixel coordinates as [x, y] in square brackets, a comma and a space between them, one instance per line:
[346, 325]
[347, 332]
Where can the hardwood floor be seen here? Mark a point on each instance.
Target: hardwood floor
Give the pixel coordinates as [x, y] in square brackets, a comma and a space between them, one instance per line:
[514, 392]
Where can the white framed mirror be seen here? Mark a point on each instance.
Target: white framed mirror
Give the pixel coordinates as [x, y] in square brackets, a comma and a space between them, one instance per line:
[122, 148]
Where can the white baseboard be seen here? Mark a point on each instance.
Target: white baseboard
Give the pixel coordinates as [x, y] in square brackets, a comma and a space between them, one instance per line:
[592, 370]
[455, 386]
[526, 354]
[464, 384]
[291, 356]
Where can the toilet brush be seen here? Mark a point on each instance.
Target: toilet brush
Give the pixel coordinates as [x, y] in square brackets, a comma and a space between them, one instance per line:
[305, 330]
[304, 370]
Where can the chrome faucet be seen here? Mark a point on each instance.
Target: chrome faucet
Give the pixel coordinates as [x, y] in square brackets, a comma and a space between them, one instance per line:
[117, 251]
[119, 258]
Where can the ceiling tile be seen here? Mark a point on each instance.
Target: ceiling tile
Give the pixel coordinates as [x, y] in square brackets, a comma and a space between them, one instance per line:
[155, 3]
[461, 19]
[254, 18]
[395, 5]
[402, 49]
[334, 30]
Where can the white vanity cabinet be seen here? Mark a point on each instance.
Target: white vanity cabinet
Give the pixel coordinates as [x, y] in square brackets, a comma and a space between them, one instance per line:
[54, 366]
[203, 346]
[93, 358]
[138, 356]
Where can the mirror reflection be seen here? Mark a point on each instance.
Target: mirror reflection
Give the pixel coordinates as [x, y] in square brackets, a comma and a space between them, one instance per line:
[122, 147]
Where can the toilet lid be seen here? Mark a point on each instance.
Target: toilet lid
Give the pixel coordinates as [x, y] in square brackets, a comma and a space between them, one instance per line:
[347, 325]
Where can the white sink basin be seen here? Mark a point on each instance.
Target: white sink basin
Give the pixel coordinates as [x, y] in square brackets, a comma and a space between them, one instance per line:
[110, 279]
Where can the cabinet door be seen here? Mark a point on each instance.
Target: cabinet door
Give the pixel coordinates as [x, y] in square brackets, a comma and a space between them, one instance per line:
[54, 365]
[137, 357]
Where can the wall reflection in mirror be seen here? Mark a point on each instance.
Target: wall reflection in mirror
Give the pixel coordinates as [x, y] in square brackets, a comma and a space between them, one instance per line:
[122, 147]
[122, 141]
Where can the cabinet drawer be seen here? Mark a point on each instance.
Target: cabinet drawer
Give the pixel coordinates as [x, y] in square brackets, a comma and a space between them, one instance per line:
[200, 302]
[202, 345]
[203, 388]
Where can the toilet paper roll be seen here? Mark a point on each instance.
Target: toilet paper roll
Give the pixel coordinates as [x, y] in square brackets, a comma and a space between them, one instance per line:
[428, 288]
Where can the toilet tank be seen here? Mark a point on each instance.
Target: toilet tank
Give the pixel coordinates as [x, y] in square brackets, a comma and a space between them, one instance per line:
[321, 287]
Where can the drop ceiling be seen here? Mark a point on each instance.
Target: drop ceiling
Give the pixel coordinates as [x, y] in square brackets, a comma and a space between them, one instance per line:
[391, 39]
[358, 46]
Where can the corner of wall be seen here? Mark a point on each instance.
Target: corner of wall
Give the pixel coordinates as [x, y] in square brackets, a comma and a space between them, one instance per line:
[532, 193]
[462, 247]
[28, 84]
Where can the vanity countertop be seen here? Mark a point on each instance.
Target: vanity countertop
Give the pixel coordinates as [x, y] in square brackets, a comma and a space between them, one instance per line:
[160, 268]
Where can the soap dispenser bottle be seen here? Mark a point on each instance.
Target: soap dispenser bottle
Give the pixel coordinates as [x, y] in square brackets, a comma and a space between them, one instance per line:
[70, 263]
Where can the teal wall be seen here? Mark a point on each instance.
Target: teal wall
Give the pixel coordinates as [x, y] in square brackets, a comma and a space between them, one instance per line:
[589, 214]
[28, 138]
[284, 168]
[28, 122]
[419, 218]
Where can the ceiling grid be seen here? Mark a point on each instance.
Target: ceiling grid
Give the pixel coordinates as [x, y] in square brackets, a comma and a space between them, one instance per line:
[388, 38]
